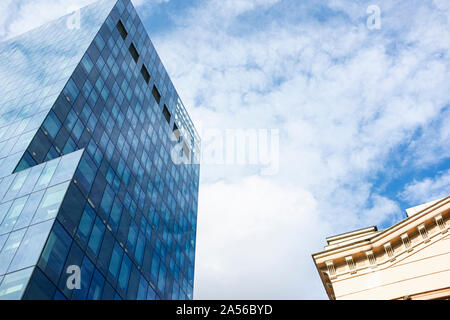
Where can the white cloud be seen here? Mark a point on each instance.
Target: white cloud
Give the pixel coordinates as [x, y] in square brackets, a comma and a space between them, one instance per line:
[432, 143]
[254, 244]
[428, 189]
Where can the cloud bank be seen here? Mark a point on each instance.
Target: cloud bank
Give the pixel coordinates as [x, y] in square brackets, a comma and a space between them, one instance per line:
[356, 109]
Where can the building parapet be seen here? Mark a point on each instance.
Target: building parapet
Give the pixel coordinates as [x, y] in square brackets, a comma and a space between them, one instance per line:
[367, 250]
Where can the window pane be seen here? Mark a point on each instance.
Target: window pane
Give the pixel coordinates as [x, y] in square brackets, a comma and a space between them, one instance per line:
[116, 259]
[55, 252]
[31, 180]
[155, 268]
[29, 210]
[39, 287]
[162, 278]
[52, 125]
[47, 174]
[107, 201]
[132, 236]
[66, 167]
[70, 146]
[4, 185]
[116, 213]
[50, 202]
[87, 63]
[3, 239]
[140, 247]
[14, 284]
[86, 172]
[9, 249]
[142, 291]
[16, 185]
[86, 222]
[122, 30]
[96, 289]
[4, 208]
[31, 246]
[96, 238]
[13, 214]
[71, 90]
[124, 275]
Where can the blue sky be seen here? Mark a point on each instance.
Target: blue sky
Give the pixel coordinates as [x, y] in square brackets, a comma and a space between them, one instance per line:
[362, 114]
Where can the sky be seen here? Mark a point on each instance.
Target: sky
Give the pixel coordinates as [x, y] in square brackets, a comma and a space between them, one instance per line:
[358, 105]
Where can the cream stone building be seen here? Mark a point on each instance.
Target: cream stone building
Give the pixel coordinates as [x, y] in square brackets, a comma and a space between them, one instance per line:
[410, 260]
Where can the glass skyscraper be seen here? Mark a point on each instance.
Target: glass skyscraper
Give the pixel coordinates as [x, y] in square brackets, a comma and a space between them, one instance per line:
[98, 163]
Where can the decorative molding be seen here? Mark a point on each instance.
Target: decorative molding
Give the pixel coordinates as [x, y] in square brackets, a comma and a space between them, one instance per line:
[391, 255]
[389, 251]
[406, 242]
[371, 258]
[441, 223]
[331, 269]
[350, 264]
[423, 232]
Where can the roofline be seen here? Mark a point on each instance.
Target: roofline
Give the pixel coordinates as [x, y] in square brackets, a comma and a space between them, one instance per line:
[353, 232]
[383, 232]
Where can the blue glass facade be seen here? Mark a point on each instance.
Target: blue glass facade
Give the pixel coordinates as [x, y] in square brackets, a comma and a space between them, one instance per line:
[105, 126]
